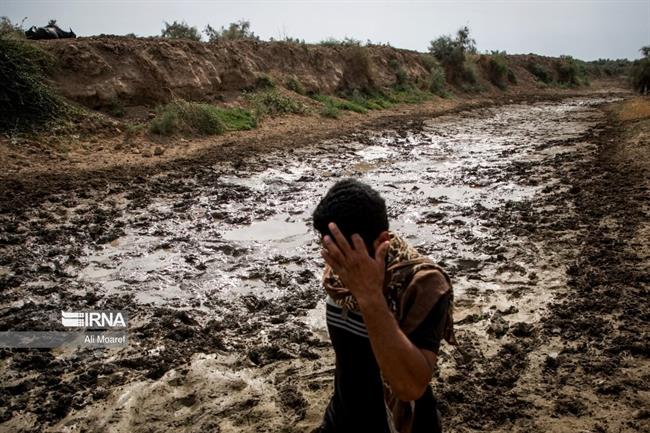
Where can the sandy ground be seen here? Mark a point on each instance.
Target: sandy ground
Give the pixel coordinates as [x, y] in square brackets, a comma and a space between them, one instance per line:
[539, 210]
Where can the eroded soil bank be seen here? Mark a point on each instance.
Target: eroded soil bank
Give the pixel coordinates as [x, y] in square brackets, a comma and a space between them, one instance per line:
[538, 210]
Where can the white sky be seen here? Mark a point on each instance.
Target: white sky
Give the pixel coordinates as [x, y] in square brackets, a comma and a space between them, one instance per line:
[584, 29]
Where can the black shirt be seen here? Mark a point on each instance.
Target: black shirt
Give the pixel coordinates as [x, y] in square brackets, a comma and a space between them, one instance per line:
[358, 401]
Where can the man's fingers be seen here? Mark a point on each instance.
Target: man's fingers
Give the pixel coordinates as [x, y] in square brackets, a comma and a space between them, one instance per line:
[359, 245]
[342, 243]
[330, 260]
[380, 254]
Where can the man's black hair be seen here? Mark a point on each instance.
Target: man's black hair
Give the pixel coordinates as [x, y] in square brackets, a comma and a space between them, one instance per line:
[355, 208]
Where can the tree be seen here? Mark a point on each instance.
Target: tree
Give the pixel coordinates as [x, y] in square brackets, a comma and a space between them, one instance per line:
[239, 30]
[180, 30]
[640, 72]
[451, 52]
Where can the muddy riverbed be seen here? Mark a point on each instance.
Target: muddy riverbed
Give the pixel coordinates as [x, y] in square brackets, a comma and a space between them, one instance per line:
[219, 270]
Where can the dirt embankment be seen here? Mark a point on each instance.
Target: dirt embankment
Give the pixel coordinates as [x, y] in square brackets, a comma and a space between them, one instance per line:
[97, 72]
[136, 71]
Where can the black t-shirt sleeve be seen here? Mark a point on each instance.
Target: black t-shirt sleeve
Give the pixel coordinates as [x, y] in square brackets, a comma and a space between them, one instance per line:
[428, 333]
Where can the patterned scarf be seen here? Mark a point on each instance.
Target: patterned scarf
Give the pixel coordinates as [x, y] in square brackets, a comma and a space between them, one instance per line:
[402, 263]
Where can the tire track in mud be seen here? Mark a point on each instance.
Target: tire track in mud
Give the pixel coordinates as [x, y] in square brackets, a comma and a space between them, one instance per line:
[219, 261]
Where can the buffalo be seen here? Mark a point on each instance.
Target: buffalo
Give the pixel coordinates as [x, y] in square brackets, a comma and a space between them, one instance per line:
[51, 31]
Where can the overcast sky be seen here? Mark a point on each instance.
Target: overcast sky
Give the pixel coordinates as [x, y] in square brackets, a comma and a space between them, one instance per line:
[584, 29]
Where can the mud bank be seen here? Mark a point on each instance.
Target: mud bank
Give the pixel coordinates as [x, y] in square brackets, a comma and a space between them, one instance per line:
[219, 271]
[100, 72]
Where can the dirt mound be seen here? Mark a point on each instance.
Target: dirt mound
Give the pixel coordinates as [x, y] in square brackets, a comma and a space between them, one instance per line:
[100, 72]
[137, 71]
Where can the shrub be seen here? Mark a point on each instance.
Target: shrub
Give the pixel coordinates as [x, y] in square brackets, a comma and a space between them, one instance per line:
[437, 80]
[180, 30]
[330, 110]
[11, 30]
[115, 108]
[451, 53]
[345, 42]
[294, 85]
[27, 101]
[497, 69]
[402, 81]
[640, 72]
[469, 72]
[133, 129]
[271, 102]
[570, 72]
[540, 72]
[199, 118]
[264, 82]
[239, 30]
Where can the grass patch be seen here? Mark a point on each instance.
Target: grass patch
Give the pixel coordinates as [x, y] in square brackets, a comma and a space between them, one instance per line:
[362, 102]
[334, 104]
[198, 118]
[273, 103]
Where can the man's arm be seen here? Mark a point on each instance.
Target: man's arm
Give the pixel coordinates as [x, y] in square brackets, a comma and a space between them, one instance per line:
[405, 367]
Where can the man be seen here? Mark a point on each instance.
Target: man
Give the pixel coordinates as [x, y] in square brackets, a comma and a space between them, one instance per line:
[388, 308]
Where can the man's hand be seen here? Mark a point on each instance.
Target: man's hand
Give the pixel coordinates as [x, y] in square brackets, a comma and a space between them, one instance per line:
[360, 273]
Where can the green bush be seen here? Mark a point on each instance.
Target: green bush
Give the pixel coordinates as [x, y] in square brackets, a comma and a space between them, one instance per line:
[115, 108]
[469, 72]
[26, 101]
[402, 80]
[373, 101]
[199, 118]
[437, 77]
[271, 102]
[428, 61]
[330, 110]
[294, 85]
[497, 69]
[540, 72]
[640, 73]
[571, 72]
[180, 30]
[239, 30]
[264, 82]
[437, 81]
[451, 53]
[345, 42]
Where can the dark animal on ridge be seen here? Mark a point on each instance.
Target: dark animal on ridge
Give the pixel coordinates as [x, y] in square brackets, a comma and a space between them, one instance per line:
[48, 32]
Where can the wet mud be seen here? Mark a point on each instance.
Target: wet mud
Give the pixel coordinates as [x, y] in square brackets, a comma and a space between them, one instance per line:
[219, 270]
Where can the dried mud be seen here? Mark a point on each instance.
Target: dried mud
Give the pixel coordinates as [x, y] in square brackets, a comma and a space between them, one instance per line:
[541, 221]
